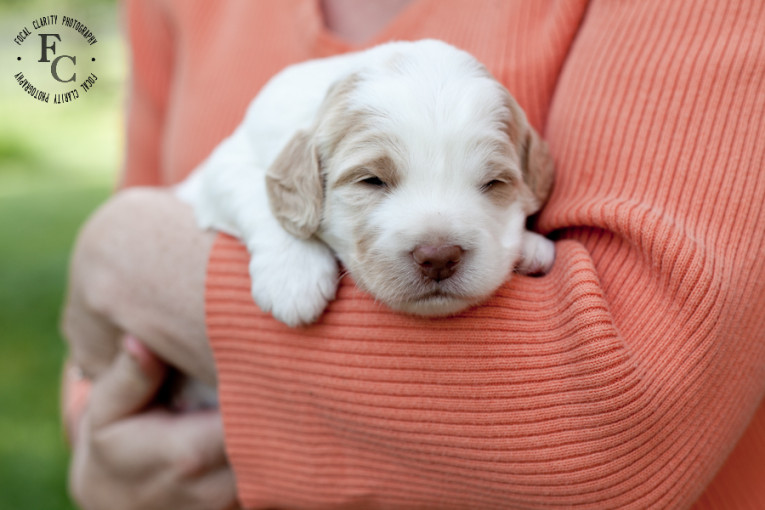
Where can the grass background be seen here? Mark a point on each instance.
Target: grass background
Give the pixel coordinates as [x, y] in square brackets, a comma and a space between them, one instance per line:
[57, 163]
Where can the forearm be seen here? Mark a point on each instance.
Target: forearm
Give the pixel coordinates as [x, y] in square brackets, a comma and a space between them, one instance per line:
[139, 267]
[534, 399]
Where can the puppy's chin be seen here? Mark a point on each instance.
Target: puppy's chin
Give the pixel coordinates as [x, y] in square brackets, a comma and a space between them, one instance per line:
[396, 283]
[435, 304]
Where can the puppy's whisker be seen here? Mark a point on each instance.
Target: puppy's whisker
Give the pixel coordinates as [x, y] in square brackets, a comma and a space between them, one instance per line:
[342, 274]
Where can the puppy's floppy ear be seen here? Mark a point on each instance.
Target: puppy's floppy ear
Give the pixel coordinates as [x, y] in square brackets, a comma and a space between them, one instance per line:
[538, 169]
[295, 188]
[537, 166]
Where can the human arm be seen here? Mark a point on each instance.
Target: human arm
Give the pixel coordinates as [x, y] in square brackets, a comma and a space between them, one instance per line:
[568, 389]
[121, 281]
[620, 379]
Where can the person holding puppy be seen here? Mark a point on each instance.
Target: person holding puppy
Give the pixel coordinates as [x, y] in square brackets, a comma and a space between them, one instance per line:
[630, 376]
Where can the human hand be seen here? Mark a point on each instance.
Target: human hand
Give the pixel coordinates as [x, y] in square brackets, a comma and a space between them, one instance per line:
[129, 455]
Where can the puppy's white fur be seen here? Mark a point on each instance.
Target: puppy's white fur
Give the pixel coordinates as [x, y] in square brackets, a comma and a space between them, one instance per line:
[367, 156]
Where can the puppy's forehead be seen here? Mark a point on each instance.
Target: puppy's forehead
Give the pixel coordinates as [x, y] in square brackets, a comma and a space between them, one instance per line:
[433, 110]
[434, 107]
[415, 88]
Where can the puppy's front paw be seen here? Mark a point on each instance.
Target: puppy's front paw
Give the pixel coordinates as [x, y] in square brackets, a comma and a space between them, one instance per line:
[296, 283]
[537, 254]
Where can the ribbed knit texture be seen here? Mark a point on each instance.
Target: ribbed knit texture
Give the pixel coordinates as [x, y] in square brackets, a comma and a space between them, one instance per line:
[622, 379]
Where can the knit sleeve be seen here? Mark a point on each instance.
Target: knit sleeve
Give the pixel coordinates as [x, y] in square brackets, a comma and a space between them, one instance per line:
[151, 61]
[621, 379]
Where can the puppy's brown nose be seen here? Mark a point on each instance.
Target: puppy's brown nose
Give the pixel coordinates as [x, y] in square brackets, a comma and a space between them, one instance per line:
[438, 261]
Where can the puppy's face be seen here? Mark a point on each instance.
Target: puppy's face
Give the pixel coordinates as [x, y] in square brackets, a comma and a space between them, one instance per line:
[419, 173]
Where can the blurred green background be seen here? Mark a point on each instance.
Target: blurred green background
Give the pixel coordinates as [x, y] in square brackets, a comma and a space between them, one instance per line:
[57, 163]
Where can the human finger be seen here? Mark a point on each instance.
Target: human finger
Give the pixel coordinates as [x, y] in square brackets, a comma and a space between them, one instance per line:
[204, 430]
[215, 490]
[188, 444]
[127, 386]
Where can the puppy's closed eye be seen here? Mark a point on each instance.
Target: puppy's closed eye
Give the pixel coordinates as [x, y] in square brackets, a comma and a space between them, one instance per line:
[492, 185]
[379, 173]
[500, 185]
[374, 182]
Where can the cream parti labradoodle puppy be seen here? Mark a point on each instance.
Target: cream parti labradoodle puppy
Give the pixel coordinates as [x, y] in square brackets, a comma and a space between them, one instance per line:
[408, 162]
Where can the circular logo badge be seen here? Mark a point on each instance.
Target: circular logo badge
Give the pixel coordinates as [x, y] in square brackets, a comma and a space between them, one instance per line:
[56, 59]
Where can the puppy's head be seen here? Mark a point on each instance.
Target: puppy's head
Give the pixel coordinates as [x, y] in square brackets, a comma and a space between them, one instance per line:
[419, 172]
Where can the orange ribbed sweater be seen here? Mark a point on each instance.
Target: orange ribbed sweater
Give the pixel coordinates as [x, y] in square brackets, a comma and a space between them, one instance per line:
[623, 379]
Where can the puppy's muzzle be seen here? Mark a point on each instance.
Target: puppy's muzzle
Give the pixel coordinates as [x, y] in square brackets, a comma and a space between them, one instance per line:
[438, 261]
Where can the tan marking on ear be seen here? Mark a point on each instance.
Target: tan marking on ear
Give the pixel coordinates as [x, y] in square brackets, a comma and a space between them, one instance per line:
[295, 188]
[294, 181]
[516, 123]
[536, 162]
[538, 169]
[338, 92]
[335, 117]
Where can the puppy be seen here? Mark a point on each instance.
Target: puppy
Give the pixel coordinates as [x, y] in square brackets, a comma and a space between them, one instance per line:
[408, 162]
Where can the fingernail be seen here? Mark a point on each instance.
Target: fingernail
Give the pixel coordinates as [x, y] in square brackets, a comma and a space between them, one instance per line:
[133, 347]
[141, 354]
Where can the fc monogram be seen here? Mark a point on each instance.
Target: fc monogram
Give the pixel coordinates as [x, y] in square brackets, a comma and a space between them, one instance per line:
[56, 60]
[54, 66]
